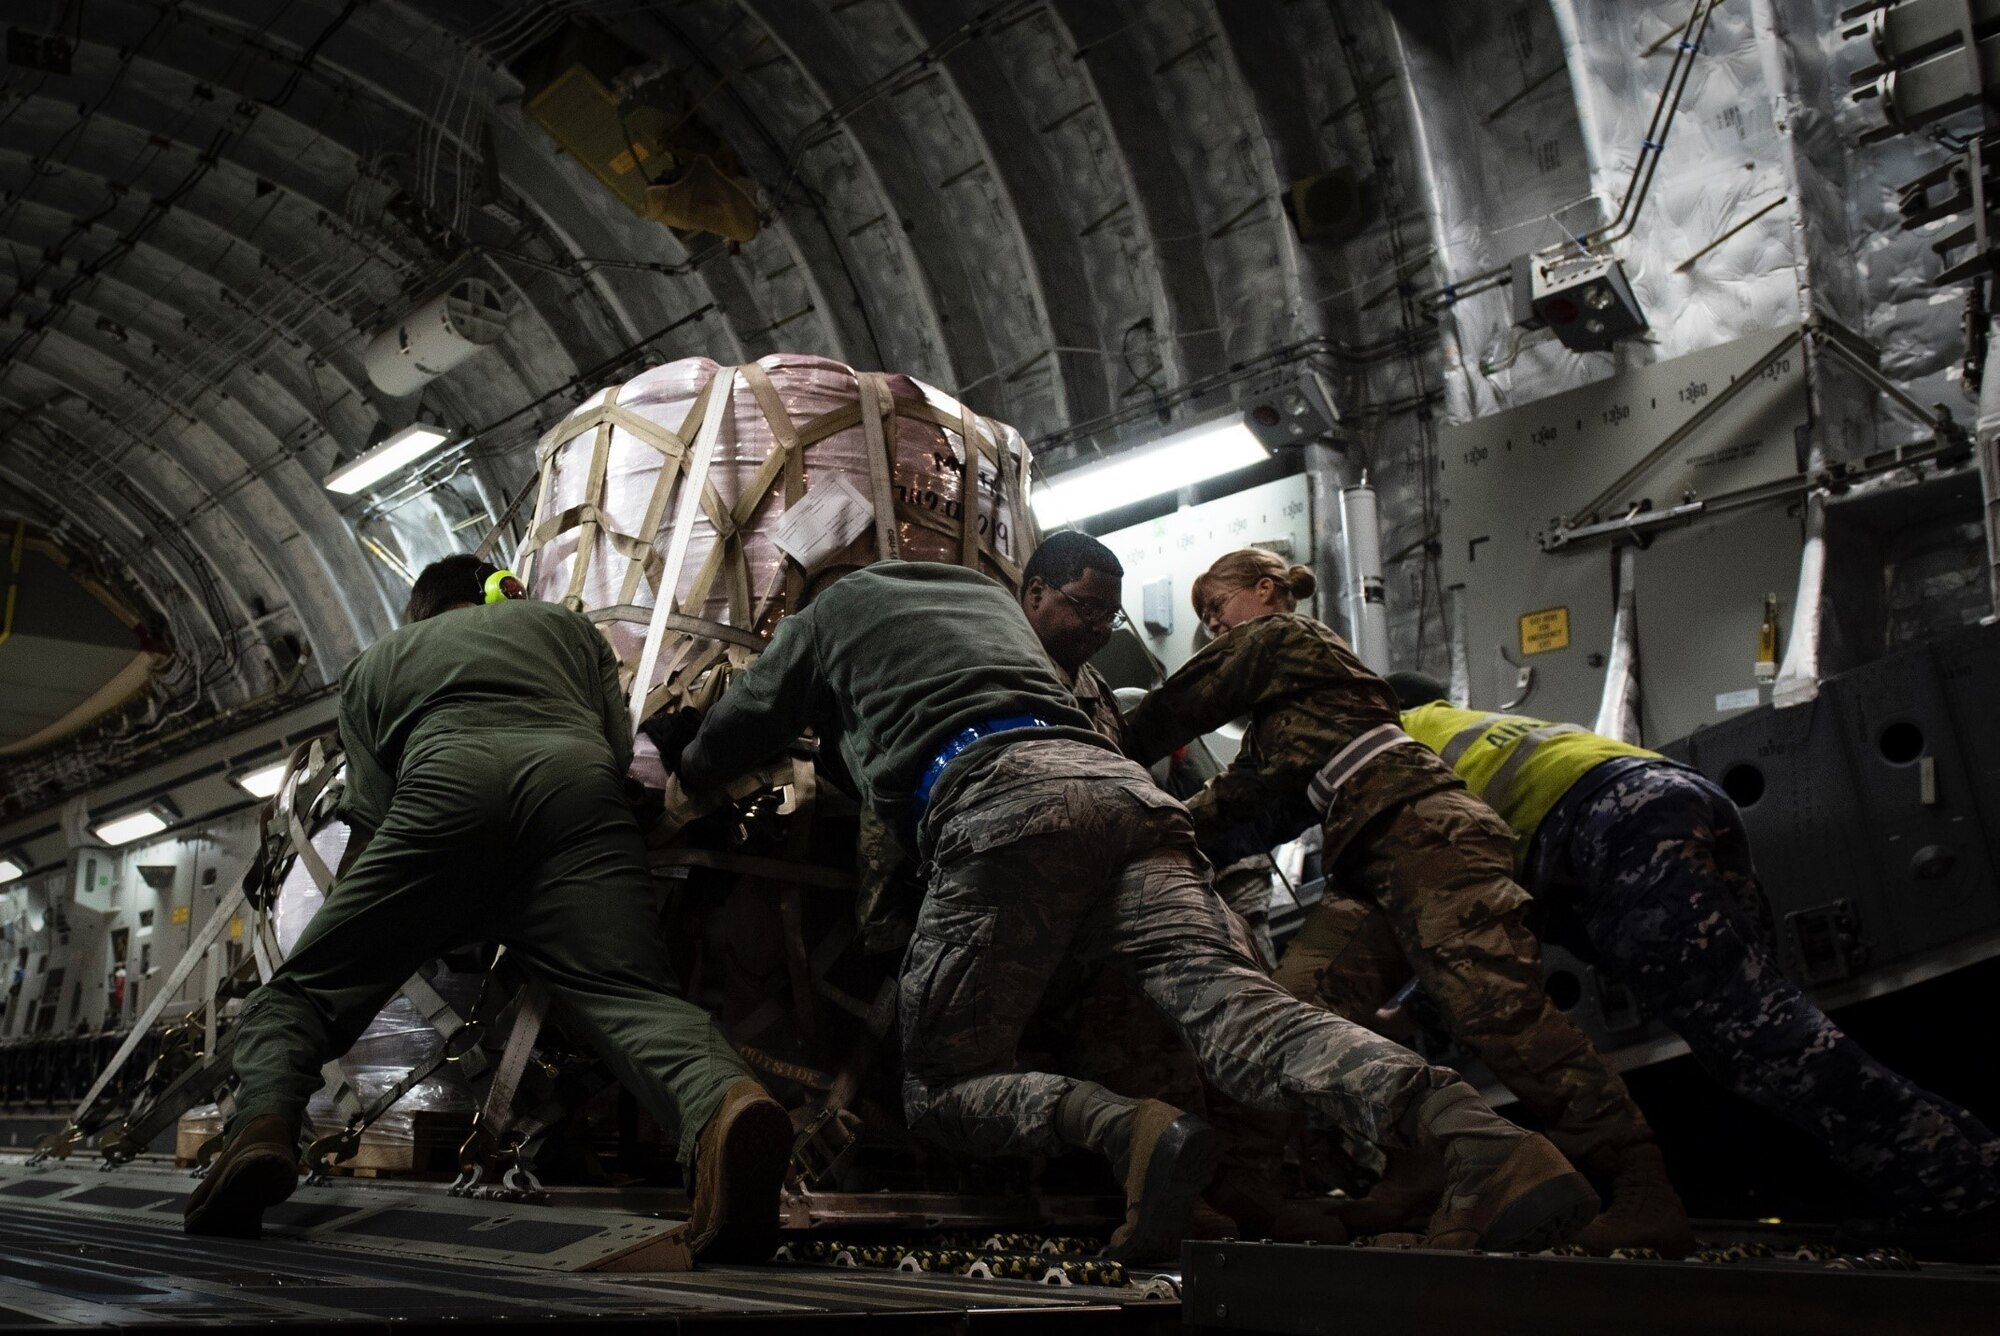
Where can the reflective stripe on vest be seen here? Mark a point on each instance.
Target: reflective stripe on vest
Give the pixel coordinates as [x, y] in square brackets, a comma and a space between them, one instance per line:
[1497, 788]
[1348, 761]
[1461, 741]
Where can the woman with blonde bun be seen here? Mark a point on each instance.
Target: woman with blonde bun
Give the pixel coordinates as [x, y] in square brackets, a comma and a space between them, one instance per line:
[1417, 867]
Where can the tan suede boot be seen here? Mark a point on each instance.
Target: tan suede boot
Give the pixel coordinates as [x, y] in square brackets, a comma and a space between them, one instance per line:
[1506, 1189]
[1531, 1200]
[1205, 1222]
[257, 1169]
[1644, 1210]
[1170, 1159]
[1282, 1219]
[740, 1159]
[1405, 1196]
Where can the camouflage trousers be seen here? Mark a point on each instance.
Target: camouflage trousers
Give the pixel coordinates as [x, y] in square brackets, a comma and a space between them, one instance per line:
[1428, 888]
[1111, 1033]
[1650, 878]
[1060, 849]
[1245, 886]
[1114, 1036]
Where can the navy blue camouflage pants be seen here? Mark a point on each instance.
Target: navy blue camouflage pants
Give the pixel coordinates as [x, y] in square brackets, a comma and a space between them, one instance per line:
[1650, 878]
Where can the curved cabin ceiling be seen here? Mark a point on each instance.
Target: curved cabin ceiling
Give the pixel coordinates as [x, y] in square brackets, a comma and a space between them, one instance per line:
[1078, 215]
[209, 209]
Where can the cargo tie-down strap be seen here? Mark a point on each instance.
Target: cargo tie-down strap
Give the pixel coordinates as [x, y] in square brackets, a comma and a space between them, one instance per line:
[309, 790]
[1347, 763]
[496, 1116]
[457, 1042]
[88, 1116]
[680, 649]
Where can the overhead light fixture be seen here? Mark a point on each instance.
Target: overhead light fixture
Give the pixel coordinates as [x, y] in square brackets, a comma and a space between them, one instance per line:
[399, 451]
[1181, 460]
[262, 782]
[132, 826]
[12, 868]
[1586, 300]
[1293, 407]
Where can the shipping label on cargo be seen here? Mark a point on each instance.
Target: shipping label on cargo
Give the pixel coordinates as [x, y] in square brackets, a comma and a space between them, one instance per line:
[1545, 630]
[828, 518]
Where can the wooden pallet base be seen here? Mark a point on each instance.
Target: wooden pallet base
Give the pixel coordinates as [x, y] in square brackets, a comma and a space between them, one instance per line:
[428, 1150]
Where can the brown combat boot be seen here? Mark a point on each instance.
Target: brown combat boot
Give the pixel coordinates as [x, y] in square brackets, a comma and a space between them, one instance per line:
[1644, 1210]
[1280, 1219]
[1406, 1195]
[1205, 1222]
[1250, 1183]
[739, 1169]
[257, 1169]
[1506, 1189]
[1170, 1159]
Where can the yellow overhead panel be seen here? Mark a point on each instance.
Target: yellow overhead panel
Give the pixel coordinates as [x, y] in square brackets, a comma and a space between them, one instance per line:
[652, 151]
[581, 114]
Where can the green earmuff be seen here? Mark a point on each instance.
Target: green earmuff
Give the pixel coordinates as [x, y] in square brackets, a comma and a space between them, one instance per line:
[497, 584]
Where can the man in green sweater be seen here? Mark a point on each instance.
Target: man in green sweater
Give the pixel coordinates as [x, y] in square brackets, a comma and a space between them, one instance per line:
[486, 746]
[927, 687]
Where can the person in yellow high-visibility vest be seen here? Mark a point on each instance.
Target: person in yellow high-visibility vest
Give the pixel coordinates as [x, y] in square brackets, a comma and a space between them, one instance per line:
[1642, 867]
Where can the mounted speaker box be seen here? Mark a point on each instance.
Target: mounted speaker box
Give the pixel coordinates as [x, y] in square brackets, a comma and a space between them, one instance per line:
[1332, 207]
[1584, 299]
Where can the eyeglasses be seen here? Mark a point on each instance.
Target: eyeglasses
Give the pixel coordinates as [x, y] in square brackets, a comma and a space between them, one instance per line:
[1211, 614]
[1093, 616]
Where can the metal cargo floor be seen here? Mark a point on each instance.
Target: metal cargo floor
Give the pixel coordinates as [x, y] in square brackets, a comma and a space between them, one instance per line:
[79, 1247]
[1307, 1291]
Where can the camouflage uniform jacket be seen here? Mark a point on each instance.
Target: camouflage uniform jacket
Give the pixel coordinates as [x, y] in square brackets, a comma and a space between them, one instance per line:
[1095, 696]
[1307, 697]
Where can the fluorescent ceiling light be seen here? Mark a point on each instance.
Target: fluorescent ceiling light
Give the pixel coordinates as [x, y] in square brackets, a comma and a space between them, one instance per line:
[261, 782]
[11, 871]
[132, 826]
[1181, 460]
[399, 451]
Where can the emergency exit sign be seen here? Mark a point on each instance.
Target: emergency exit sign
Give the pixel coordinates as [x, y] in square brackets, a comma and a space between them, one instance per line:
[1545, 630]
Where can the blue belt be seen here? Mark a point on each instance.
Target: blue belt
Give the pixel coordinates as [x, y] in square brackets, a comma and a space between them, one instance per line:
[962, 739]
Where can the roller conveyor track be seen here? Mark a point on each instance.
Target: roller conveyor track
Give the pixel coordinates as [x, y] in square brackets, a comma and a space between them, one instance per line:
[105, 1251]
[79, 1247]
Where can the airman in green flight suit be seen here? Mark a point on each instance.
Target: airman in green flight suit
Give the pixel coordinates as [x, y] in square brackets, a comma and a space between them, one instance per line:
[486, 746]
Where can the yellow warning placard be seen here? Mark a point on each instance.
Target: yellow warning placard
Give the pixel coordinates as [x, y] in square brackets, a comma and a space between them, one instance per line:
[180, 913]
[236, 928]
[1545, 630]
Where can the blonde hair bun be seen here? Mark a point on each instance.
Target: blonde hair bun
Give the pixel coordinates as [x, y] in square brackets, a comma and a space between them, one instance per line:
[1245, 567]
